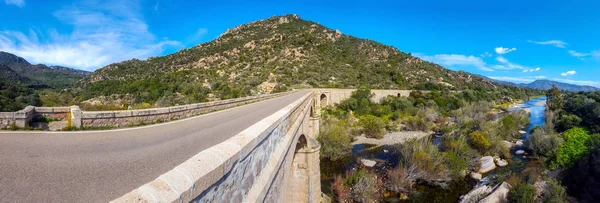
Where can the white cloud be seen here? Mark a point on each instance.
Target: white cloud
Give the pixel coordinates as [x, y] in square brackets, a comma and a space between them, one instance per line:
[518, 79]
[532, 70]
[556, 43]
[571, 72]
[513, 79]
[456, 60]
[502, 50]
[508, 65]
[486, 54]
[198, 35]
[103, 32]
[594, 54]
[18, 3]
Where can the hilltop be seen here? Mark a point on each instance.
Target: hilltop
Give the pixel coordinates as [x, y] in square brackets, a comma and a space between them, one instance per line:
[270, 55]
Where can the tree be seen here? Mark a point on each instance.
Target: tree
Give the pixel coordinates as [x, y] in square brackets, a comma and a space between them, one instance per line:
[334, 139]
[573, 148]
[372, 126]
[554, 98]
[567, 122]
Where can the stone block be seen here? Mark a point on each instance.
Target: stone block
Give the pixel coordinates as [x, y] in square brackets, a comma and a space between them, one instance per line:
[98, 114]
[176, 109]
[44, 110]
[123, 114]
[76, 117]
[230, 154]
[63, 109]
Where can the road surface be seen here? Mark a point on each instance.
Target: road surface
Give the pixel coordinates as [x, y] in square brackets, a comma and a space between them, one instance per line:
[100, 166]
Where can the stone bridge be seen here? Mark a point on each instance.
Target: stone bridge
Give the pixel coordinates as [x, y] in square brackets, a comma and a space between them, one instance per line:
[261, 152]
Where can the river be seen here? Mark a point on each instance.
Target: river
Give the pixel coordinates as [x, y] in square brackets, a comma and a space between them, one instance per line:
[387, 157]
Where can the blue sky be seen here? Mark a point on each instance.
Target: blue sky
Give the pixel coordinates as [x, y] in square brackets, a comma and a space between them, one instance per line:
[518, 41]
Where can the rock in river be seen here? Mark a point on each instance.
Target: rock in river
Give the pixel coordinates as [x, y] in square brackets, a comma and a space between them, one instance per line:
[368, 163]
[476, 176]
[520, 152]
[487, 164]
[501, 163]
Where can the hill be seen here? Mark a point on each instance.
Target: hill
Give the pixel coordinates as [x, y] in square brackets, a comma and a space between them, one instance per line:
[270, 55]
[547, 84]
[40, 75]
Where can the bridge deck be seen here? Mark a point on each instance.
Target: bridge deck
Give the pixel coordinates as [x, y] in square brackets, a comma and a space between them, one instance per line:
[98, 166]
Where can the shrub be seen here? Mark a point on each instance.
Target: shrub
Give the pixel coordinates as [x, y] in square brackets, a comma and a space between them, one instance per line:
[340, 190]
[554, 192]
[334, 139]
[522, 193]
[567, 122]
[479, 141]
[543, 145]
[372, 126]
[573, 148]
[367, 189]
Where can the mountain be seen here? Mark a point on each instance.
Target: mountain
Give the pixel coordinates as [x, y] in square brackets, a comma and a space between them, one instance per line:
[40, 75]
[547, 84]
[270, 55]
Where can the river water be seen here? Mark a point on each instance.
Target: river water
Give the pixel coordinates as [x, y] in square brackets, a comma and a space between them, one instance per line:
[387, 157]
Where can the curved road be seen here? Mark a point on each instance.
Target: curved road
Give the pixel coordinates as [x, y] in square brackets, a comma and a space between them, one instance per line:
[100, 166]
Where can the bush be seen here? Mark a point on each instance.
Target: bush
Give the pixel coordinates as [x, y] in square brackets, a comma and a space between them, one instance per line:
[334, 139]
[543, 145]
[367, 188]
[567, 122]
[479, 141]
[573, 148]
[522, 193]
[554, 192]
[372, 126]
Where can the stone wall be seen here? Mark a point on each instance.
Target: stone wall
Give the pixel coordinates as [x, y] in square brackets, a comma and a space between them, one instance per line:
[58, 113]
[134, 117]
[245, 168]
[7, 119]
[333, 96]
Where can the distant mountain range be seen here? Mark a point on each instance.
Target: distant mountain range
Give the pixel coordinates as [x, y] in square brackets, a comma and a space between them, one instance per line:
[18, 70]
[547, 84]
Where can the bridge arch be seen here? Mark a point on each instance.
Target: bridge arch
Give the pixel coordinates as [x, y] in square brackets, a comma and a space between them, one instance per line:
[323, 99]
[302, 174]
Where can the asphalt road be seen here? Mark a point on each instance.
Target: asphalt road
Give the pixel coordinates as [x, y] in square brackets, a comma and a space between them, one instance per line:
[100, 166]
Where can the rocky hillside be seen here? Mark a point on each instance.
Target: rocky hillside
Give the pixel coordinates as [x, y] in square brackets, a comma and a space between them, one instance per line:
[269, 55]
[40, 75]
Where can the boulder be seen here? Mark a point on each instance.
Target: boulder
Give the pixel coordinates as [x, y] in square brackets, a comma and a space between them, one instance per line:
[500, 194]
[487, 164]
[520, 152]
[522, 132]
[508, 144]
[502, 163]
[476, 176]
[519, 143]
[368, 163]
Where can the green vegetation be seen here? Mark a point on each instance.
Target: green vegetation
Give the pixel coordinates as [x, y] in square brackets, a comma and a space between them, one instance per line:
[522, 193]
[573, 148]
[335, 140]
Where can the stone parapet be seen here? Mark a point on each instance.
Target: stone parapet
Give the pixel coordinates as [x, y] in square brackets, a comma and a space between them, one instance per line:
[76, 117]
[134, 117]
[240, 169]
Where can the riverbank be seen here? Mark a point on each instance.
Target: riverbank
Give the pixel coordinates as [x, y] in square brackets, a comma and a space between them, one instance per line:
[391, 138]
